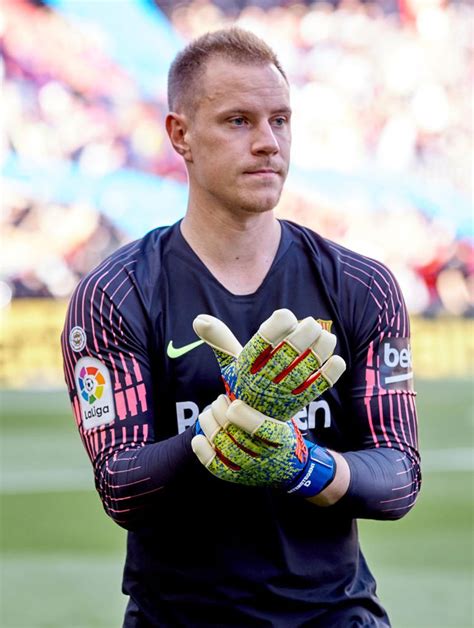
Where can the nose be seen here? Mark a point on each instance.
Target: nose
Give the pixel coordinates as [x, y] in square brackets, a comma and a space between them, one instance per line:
[264, 140]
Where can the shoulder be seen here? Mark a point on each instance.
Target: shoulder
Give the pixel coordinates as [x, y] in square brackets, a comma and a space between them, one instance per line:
[350, 267]
[119, 298]
[362, 269]
[135, 267]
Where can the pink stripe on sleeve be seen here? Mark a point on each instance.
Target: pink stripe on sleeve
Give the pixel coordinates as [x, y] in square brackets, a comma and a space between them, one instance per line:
[402, 422]
[364, 284]
[101, 318]
[120, 405]
[392, 421]
[128, 377]
[370, 356]
[406, 416]
[382, 422]
[112, 439]
[116, 377]
[370, 420]
[103, 436]
[76, 410]
[132, 400]
[136, 368]
[370, 383]
[141, 390]
[111, 324]
[411, 401]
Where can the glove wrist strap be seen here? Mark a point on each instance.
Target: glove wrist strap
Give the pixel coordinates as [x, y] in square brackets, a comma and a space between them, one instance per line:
[318, 473]
[197, 429]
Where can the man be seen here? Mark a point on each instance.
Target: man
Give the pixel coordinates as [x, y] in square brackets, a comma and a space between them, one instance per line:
[202, 550]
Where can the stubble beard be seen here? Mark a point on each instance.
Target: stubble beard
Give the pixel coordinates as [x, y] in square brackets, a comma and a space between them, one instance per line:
[256, 203]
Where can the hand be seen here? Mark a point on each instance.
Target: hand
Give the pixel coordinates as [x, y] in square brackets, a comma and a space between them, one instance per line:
[283, 367]
[239, 444]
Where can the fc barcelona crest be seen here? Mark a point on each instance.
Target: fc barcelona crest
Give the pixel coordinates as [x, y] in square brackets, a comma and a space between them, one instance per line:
[325, 324]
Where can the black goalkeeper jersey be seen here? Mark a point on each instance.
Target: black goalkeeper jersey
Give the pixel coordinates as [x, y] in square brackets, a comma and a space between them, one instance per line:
[201, 551]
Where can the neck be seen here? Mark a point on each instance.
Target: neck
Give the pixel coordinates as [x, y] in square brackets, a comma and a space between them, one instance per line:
[237, 249]
[224, 237]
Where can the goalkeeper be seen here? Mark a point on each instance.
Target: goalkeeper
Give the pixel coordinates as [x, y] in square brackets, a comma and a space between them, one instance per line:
[239, 459]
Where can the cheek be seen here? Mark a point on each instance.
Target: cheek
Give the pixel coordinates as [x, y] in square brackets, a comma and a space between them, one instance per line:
[213, 169]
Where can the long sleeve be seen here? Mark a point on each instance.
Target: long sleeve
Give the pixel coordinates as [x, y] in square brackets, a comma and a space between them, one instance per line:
[107, 368]
[384, 460]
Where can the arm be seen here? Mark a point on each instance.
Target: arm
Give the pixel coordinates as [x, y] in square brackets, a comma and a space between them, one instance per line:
[338, 487]
[109, 376]
[373, 484]
[381, 478]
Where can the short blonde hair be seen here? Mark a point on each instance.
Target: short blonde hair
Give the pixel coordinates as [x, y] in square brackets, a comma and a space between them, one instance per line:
[235, 44]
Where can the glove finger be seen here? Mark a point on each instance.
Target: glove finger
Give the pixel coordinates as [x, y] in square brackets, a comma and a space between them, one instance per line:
[222, 461]
[307, 362]
[241, 414]
[219, 409]
[323, 379]
[241, 439]
[252, 446]
[324, 347]
[292, 350]
[278, 326]
[203, 450]
[209, 425]
[219, 337]
[274, 364]
[306, 333]
[271, 332]
[214, 460]
[272, 432]
[236, 448]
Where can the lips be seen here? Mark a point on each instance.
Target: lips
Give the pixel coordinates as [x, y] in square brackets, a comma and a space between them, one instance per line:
[262, 171]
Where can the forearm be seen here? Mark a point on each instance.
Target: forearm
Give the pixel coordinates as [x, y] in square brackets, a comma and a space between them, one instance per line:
[129, 481]
[339, 485]
[378, 483]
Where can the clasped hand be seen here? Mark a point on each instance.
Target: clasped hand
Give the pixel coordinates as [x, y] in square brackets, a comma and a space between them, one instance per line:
[240, 444]
[283, 367]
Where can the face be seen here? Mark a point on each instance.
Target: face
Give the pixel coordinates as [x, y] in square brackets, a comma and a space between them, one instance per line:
[238, 138]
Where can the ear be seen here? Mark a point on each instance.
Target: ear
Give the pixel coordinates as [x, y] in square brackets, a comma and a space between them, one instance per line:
[177, 129]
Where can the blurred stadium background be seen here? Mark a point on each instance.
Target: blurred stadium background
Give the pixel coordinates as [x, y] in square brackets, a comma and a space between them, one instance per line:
[382, 163]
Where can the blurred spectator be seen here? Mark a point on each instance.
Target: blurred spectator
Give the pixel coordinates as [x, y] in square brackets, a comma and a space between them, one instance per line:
[373, 91]
[47, 248]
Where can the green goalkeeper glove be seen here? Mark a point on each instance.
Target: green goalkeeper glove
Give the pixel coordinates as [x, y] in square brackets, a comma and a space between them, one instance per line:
[239, 444]
[283, 367]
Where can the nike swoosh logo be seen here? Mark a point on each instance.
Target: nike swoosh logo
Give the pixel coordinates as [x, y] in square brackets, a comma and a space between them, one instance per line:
[177, 352]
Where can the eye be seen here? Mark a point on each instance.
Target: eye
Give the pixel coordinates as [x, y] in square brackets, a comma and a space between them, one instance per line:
[238, 121]
[280, 121]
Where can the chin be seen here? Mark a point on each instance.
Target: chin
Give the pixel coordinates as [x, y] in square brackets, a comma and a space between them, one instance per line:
[260, 205]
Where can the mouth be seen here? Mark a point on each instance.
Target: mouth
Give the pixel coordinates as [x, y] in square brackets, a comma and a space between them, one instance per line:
[263, 172]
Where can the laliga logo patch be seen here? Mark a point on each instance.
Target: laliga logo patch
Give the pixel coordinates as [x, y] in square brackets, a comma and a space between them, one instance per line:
[94, 389]
[91, 382]
[77, 339]
[396, 364]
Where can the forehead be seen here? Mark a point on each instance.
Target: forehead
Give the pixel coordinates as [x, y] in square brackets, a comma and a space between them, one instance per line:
[228, 84]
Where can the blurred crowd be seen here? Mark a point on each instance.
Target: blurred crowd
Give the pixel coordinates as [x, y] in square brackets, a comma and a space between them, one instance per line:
[380, 88]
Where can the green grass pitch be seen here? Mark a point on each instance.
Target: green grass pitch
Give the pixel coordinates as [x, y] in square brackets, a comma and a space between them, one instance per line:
[62, 557]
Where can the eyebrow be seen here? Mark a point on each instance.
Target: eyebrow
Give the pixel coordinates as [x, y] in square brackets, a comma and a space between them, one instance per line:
[242, 110]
